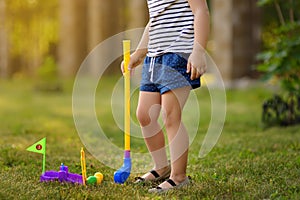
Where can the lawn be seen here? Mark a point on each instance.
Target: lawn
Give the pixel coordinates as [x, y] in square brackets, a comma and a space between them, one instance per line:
[248, 162]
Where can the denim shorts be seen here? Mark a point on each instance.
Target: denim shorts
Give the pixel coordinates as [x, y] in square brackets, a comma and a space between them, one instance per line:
[166, 72]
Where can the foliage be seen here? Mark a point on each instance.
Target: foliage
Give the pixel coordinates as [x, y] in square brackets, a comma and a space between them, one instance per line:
[33, 30]
[281, 62]
[281, 58]
[48, 70]
[281, 111]
[48, 80]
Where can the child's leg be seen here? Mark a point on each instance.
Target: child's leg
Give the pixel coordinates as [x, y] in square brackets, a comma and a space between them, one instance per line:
[148, 111]
[173, 103]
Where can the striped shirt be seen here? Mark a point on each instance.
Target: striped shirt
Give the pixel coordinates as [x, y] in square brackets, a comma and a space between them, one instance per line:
[171, 28]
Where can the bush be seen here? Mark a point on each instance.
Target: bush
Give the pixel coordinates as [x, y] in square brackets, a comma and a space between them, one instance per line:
[281, 61]
[281, 111]
[47, 77]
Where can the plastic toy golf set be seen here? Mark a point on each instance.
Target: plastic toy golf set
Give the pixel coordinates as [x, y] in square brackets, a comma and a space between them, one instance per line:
[63, 175]
[121, 175]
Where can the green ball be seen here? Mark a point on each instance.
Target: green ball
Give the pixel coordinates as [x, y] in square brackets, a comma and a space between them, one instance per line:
[91, 180]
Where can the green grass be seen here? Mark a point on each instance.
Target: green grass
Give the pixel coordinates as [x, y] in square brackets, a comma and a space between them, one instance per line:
[248, 162]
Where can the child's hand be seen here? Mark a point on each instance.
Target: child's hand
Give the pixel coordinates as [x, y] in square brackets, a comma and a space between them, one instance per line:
[135, 60]
[197, 63]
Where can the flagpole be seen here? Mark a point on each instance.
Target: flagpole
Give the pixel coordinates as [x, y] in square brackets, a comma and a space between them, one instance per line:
[44, 158]
[44, 163]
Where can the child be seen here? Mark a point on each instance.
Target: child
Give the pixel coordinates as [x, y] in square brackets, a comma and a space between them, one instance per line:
[173, 44]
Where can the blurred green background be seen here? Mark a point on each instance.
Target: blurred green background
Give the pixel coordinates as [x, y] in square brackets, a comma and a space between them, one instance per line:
[52, 38]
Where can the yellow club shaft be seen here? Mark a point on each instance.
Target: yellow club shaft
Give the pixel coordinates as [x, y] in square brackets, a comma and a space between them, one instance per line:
[126, 58]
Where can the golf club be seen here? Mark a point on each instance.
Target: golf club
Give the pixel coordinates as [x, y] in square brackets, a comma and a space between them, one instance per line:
[121, 175]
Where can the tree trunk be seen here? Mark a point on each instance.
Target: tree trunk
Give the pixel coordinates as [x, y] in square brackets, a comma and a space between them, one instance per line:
[236, 35]
[222, 35]
[3, 42]
[94, 23]
[138, 14]
[72, 44]
[105, 19]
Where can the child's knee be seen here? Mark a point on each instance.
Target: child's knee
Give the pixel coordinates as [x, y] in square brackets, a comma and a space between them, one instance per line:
[171, 118]
[146, 116]
[143, 117]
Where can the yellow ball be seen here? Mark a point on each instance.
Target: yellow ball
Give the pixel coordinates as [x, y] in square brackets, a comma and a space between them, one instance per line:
[99, 177]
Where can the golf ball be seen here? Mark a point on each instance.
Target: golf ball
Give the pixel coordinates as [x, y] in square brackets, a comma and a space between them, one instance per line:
[91, 180]
[99, 177]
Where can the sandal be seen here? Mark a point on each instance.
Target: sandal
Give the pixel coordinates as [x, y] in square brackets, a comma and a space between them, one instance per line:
[157, 177]
[159, 189]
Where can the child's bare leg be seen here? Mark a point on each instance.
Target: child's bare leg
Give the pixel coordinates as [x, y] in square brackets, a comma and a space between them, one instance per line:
[148, 111]
[173, 103]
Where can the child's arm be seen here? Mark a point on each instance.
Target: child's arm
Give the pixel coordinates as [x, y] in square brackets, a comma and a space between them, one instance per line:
[142, 48]
[137, 57]
[196, 63]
